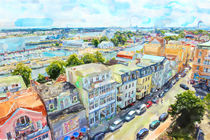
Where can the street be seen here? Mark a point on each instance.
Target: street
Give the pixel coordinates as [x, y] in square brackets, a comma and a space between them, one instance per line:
[129, 129]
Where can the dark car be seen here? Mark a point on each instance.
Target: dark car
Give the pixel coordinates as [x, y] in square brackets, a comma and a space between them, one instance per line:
[149, 104]
[166, 90]
[161, 94]
[154, 124]
[142, 133]
[163, 117]
[99, 136]
[200, 134]
[184, 86]
[155, 99]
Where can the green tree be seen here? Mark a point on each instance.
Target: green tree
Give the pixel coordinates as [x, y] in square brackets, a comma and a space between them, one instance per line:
[115, 41]
[103, 38]
[24, 71]
[187, 109]
[182, 34]
[41, 78]
[73, 60]
[55, 69]
[57, 44]
[89, 58]
[95, 42]
[99, 57]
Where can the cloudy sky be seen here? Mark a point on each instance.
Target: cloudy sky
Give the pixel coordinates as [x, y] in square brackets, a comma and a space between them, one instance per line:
[103, 13]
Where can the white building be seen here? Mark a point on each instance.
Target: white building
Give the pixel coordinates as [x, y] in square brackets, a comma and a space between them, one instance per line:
[105, 45]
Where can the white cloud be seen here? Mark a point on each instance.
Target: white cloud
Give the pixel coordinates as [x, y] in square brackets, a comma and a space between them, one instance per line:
[100, 12]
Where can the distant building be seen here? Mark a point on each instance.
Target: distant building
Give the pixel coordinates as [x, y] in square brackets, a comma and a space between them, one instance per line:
[23, 116]
[11, 84]
[126, 56]
[97, 90]
[157, 63]
[201, 63]
[66, 116]
[105, 45]
[126, 80]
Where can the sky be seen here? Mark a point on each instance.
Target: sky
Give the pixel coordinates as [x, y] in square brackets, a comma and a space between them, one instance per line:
[103, 13]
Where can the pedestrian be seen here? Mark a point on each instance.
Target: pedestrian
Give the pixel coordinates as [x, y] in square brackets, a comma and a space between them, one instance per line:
[161, 100]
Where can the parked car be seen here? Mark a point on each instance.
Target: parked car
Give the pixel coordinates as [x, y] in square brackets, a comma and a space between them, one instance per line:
[161, 95]
[116, 125]
[99, 136]
[163, 117]
[130, 115]
[141, 109]
[184, 86]
[173, 82]
[154, 124]
[155, 99]
[166, 90]
[149, 104]
[142, 133]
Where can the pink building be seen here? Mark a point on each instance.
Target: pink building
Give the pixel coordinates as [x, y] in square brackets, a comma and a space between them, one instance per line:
[23, 116]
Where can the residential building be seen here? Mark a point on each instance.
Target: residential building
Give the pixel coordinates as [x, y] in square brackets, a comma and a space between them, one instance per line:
[11, 84]
[156, 46]
[105, 45]
[97, 90]
[158, 62]
[144, 79]
[126, 56]
[66, 116]
[126, 80]
[23, 116]
[201, 63]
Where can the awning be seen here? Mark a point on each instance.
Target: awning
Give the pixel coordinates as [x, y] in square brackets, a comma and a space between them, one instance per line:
[76, 134]
[205, 77]
[83, 130]
[67, 138]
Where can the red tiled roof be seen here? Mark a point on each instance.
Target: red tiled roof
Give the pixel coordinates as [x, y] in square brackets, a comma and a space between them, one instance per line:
[27, 99]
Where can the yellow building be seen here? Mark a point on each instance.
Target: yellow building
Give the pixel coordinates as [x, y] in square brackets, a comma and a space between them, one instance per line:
[144, 80]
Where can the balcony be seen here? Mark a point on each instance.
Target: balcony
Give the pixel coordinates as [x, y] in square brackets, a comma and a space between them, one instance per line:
[23, 127]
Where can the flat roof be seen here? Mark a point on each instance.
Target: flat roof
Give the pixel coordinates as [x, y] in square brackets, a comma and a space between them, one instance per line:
[7, 81]
[153, 58]
[119, 69]
[206, 44]
[89, 69]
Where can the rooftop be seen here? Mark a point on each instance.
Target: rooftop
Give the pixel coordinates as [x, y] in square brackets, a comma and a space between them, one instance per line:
[119, 69]
[28, 99]
[206, 44]
[153, 58]
[54, 90]
[126, 54]
[89, 69]
[7, 81]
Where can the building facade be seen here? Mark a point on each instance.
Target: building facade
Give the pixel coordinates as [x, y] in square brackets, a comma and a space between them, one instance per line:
[126, 80]
[66, 116]
[97, 90]
[23, 116]
[201, 63]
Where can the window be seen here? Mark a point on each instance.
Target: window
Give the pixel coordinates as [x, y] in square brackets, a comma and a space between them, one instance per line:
[91, 118]
[96, 103]
[39, 124]
[96, 115]
[200, 53]
[198, 67]
[91, 106]
[112, 107]
[23, 121]
[199, 60]
[132, 84]
[126, 87]
[97, 78]
[129, 85]
[9, 136]
[74, 99]
[119, 99]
